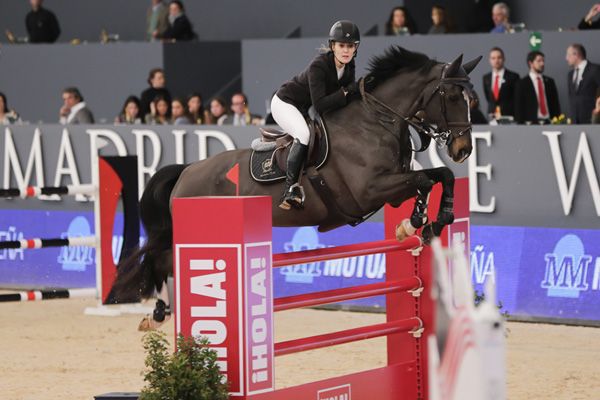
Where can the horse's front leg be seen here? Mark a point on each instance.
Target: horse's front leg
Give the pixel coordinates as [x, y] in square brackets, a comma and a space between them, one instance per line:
[408, 227]
[446, 211]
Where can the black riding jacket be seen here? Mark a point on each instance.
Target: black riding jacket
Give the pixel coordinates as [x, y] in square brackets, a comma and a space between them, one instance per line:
[318, 85]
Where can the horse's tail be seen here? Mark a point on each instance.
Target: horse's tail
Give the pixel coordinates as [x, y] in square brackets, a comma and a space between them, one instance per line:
[148, 267]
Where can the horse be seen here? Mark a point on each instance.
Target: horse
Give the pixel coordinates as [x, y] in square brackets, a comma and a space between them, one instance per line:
[369, 165]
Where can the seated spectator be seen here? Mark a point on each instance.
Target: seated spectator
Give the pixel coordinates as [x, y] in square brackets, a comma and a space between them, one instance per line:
[218, 111]
[536, 97]
[180, 28]
[156, 80]
[583, 82]
[7, 116]
[42, 25]
[157, 19]
[588, 21]
[130, 113]
[240, 113]
[179, 112]
[74, 109]
[160, 112]
[400, 22]
[596, 111]
[441, 21]
[500, 16]
[196, 109]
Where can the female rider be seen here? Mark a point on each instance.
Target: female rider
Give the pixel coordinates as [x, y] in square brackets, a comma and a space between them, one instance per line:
[327, 84]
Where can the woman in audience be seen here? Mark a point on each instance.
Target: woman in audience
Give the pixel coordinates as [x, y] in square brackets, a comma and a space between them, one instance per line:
[400, 22]
[180, 28]
[130, 113]
[596, 111]
[441, 21]
[196, 110]
[7, 117]
[218, 111]
[156, 80]
[179, 112]
[160, 112]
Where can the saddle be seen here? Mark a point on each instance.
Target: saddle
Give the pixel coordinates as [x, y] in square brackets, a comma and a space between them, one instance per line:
[268, 161]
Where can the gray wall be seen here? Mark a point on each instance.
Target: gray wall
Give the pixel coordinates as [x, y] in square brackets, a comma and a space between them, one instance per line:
[34, 76]
[220, 20]
[260, 78]
[549, 14]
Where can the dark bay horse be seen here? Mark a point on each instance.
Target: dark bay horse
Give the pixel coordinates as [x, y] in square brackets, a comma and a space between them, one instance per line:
[368, 164]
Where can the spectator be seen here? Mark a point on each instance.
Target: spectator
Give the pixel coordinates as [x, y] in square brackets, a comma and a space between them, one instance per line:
[196, 110]
[7, 116]
[477, 116]
[500, 16]
[179, 112]
[74, 109]
[130, 113]
[583, 83]
[499, 86]
[441, 21]
[180, 28]
[400, 22]
[588, 21]
[478, 16]
[536, 97]
[42, 25]
[160, 111]
[596, 111]
[240, 113]
[156, 80]
[157, 19]
[218, 111]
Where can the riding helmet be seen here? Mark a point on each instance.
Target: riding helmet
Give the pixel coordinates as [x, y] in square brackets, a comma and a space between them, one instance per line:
[344, 31]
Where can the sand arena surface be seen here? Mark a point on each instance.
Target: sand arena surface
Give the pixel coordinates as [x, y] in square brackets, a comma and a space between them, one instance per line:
[51, 350]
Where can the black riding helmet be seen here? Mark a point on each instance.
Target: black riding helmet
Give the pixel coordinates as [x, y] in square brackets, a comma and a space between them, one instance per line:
[344, 31]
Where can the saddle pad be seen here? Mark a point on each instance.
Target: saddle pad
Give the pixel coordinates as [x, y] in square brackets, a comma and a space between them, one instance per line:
[264, 166]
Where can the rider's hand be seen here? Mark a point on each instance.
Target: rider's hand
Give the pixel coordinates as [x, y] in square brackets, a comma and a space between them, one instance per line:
[352, 88]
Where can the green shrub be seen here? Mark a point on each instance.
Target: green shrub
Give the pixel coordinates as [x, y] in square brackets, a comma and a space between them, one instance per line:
[191, 373]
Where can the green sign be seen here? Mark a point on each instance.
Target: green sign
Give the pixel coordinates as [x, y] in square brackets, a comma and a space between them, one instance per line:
[535, 40]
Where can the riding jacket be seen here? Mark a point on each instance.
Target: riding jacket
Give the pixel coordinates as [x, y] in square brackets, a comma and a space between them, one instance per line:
[318, 85]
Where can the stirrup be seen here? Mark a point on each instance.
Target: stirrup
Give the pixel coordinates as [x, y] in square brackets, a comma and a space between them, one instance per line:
[292, 199]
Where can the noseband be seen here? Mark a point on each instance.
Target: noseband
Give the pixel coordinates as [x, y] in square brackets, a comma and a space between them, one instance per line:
[416, 118]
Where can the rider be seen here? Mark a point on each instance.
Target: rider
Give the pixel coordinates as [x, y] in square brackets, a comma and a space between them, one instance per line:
[327, 84]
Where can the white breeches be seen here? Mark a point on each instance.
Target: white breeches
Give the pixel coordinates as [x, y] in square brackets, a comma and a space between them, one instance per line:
[290, 119]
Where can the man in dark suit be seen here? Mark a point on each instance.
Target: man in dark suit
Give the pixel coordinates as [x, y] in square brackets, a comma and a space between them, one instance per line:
[42, 25]
[499, 85]
[583, 82]
[536, 97]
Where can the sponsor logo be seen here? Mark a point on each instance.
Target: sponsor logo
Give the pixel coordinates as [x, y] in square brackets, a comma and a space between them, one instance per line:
[567, 267]
[336, 393]
[9, 235]
[482, 265]
[76, 258]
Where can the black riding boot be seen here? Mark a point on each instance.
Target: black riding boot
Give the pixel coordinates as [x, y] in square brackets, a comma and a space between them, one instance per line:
[294, 193]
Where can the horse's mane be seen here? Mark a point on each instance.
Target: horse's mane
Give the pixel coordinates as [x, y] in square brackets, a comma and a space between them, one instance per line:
[397, 58]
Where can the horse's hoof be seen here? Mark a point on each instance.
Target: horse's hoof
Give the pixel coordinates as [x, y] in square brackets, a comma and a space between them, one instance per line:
[404, 230]
[149, 324]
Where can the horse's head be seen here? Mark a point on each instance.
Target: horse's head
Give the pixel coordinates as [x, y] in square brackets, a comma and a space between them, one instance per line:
[442, 111]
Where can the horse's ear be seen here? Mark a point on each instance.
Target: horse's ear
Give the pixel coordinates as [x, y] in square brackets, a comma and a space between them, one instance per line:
[470, 66]
[454, 67]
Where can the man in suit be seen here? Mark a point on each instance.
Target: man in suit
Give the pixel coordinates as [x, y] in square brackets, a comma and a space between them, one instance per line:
[536, 97]
[499, 85]
[74, 109]
[583, 82]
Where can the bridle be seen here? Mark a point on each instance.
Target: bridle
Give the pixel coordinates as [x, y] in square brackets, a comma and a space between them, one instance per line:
[442, 134]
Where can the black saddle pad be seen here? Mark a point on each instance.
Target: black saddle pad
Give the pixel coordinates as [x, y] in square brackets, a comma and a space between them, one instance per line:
[264, 165]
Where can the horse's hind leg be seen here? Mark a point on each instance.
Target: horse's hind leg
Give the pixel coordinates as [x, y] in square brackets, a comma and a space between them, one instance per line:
[162, 309]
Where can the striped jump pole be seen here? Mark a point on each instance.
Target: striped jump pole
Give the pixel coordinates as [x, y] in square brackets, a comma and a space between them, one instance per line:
[84, 241]
[36, 191]
[48, 294]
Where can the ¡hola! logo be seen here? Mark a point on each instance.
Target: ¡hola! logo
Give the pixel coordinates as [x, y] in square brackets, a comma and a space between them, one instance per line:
[336, 393]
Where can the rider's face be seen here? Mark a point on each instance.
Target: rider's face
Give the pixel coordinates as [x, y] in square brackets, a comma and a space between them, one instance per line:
[344, 52]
